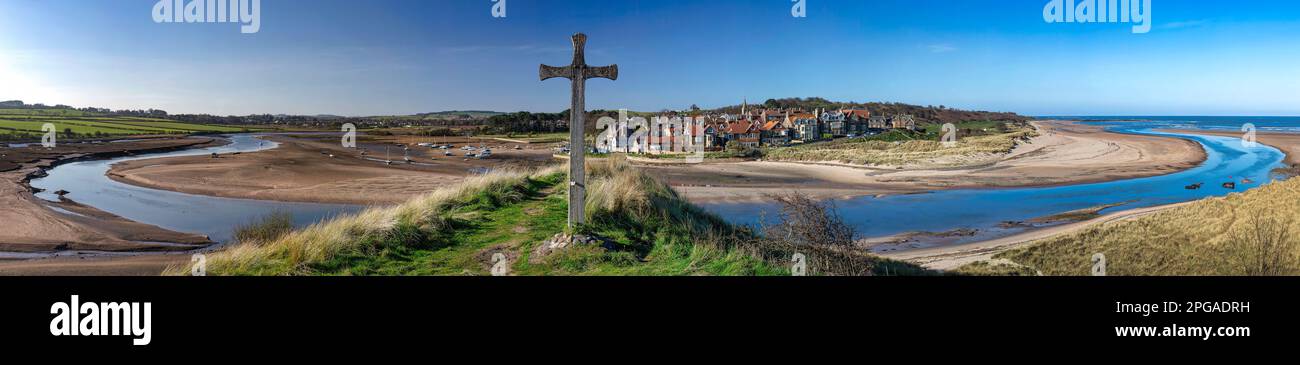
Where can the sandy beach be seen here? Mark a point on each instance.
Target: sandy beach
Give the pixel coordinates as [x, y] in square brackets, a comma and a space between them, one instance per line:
[1289, 143]
[1063, 153]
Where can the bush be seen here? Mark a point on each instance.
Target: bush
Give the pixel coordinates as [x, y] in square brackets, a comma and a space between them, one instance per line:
[1264, 246]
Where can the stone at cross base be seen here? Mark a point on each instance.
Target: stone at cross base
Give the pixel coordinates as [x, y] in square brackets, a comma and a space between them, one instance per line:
[578, 72]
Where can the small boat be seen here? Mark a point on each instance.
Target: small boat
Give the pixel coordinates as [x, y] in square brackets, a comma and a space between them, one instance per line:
[1230, 185]
[1194, 186]
[1247, 181]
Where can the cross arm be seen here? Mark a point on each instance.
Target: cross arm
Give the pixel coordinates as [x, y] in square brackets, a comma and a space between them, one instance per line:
[605, 72]
[550, 72]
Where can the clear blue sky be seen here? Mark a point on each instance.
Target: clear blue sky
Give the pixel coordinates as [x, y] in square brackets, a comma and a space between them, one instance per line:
[398, 57]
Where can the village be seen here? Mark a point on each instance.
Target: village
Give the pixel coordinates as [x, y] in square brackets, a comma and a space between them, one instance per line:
[747, 130]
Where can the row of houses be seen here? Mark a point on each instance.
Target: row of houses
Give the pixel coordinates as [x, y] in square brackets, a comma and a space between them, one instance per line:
[754, 129]
[777, 127]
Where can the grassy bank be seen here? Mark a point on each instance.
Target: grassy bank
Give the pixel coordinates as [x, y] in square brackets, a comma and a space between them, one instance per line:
[642, 226]
[897, 148]
[1250, 233]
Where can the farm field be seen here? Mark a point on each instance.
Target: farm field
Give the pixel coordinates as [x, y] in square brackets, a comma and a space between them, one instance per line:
[20, 124]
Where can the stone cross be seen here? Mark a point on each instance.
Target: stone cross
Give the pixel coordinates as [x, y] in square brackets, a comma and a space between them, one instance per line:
[578, 72]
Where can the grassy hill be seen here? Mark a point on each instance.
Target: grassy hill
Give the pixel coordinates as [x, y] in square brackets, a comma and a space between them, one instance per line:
[1250, 233]
[639, 227]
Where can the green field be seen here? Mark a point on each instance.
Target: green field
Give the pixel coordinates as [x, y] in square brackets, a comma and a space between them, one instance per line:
[27, 123]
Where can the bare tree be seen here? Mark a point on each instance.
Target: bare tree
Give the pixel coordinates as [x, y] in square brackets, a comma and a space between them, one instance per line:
[808, 222]
[1264, 247]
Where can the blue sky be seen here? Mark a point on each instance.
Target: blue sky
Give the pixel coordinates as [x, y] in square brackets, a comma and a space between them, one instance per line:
[398, 57]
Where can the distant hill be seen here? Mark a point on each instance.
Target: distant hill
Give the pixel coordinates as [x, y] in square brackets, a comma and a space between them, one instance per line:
[922, 114]
[460, 114]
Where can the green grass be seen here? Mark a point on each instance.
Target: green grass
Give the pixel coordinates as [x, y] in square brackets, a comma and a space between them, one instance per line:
[513, 221]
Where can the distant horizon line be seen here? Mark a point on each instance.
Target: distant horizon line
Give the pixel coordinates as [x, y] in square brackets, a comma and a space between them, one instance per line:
[719, 107]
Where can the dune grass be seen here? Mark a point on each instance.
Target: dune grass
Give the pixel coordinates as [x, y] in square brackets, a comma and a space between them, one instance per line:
[896, 149]
[1250, 233]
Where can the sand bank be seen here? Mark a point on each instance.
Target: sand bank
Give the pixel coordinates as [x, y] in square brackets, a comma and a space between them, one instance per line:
[302, 170]
[1063, 153]
[1289, 143]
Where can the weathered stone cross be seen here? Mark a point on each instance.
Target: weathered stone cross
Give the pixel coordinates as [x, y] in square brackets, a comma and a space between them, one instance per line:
[579, 72]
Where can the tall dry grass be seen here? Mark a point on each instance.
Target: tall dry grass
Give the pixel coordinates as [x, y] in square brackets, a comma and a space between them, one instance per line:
[291, 253]
[1250, 233]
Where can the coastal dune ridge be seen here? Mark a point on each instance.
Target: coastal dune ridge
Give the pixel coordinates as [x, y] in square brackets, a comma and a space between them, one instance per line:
[1062, 153]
